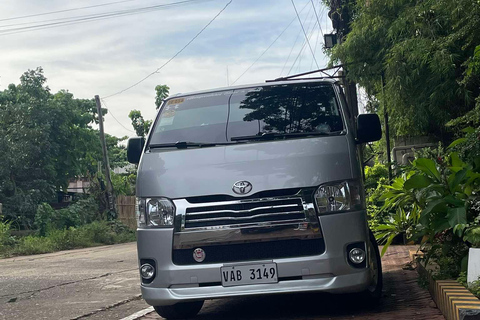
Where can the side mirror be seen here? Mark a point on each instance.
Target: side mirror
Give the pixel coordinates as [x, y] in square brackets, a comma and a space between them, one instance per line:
[368, 128]
[134, 149]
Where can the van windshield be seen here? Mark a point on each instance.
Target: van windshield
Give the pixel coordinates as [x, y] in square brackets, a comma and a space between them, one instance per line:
[217, 117]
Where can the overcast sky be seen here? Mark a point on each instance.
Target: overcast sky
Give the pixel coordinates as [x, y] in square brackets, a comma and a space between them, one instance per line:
[106, 56]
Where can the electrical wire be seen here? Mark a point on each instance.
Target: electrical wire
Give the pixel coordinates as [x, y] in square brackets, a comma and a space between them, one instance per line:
[110, 112]
[310, 29]
[174, 56]
[45, 24]
[290, 53]
[321, 31]
[99, 15]
[65, 10]
[268, 48]
[294, 43]
[301, 50]
[318, 20]
[313, 54]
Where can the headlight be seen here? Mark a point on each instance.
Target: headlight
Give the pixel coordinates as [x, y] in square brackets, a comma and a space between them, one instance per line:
[339, 196]
[155, 212]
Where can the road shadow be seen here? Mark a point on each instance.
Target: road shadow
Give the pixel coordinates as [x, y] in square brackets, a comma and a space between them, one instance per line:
[402, 298]
[298, 305]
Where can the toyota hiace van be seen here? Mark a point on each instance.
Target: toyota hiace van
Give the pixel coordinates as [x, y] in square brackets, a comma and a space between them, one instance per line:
[253, 190]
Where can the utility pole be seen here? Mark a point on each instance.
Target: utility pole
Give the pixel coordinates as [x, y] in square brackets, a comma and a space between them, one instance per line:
[109, 193]
[387, 129]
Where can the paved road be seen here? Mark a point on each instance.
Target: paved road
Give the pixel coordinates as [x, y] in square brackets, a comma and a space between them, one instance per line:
[103, 283]
[72, 284]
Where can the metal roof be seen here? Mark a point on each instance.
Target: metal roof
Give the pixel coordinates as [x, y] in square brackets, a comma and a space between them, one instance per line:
[246, 86]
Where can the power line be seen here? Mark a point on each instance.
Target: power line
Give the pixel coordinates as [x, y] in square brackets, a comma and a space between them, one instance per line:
[320, 28]
[110, 112]
[91, 17]
[291, 50]
[309, 29]
[301, 50]
[294, 43]
[174, 56]
[66, 10]
[268, 48]
[318, 20]
[100, 15]
[313, 54]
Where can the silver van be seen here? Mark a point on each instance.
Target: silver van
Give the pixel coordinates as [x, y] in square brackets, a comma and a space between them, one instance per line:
[254, 190]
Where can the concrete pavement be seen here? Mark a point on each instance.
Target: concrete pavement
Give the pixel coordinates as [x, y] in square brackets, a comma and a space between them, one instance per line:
[75, 284]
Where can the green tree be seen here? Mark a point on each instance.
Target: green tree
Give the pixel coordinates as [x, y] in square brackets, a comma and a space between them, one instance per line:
[46, 139]
[161, 92]
[117, 153]
[140, 125]
[426, 51]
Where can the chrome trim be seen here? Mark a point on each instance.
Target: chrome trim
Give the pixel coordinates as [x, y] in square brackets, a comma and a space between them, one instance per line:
[245, 217]
[244, 211]
[253, 233]
[248, 225]
[305, 228]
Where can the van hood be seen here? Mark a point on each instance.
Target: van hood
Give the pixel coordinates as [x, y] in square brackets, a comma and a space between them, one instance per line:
[267, 165]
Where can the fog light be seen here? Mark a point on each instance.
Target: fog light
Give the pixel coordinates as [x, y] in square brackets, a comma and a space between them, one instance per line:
[147, 271]
[357, 255]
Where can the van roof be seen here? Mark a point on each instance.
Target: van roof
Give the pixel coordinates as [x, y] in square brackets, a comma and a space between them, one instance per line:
[245, 86]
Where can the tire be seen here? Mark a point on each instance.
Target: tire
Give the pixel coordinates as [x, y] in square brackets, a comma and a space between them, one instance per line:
[180, 310]
[373, 294]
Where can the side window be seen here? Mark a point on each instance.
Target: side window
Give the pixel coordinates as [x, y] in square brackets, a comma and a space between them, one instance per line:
[286, 108]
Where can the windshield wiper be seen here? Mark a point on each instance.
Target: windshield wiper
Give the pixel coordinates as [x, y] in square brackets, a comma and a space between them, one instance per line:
[276, 135]
[187, 144]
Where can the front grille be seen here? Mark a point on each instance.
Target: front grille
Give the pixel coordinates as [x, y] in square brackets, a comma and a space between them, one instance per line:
[252, 251]
[277, 193]
[248, 212]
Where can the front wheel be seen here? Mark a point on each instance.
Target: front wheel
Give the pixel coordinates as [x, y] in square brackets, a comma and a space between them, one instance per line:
[180, 310]
[373, 294]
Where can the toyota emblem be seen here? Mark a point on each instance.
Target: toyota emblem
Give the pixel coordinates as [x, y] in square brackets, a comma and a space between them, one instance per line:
[242, 187]
[199, 255]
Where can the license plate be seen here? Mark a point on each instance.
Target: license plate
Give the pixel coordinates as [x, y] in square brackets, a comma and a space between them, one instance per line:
[249, 274]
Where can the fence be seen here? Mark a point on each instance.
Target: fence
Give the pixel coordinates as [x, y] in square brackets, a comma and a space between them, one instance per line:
[126, 211]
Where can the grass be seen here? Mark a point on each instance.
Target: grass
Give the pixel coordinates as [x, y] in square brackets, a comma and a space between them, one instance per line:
[93, 234]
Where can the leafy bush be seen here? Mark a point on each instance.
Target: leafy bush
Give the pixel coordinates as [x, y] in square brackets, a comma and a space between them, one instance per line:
[99, 232]
[43, 218]
[402, 223]
[70, 238]
[468, 147]
[33, 245]
[436, 200]
[374, 174]
[5, 237]
[474, 286]
[375, 179]
[123, 184]
[93, 234]
[81, 212]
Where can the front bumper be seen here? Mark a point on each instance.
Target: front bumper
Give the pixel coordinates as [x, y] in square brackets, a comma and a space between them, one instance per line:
[327, 272]
[355, 282]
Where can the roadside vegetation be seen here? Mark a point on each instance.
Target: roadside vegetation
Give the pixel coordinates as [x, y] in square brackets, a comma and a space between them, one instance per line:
[46, 140]
[420, 61]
